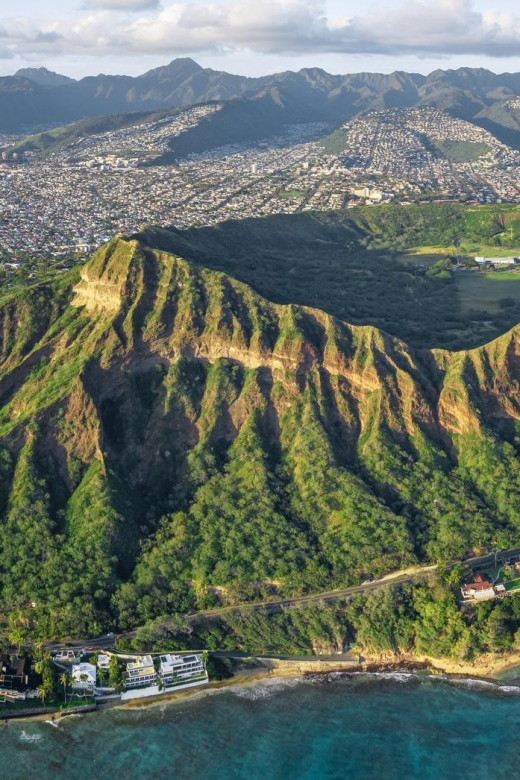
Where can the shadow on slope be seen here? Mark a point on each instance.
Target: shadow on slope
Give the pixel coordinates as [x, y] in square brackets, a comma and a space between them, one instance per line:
[328, 261]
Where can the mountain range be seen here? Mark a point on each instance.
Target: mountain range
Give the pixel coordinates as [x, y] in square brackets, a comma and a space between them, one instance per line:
[172, 439]
[35, 97]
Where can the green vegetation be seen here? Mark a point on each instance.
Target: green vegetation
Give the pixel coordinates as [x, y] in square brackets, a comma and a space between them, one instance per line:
[424, 618]
[484, 292]
[334, 143]
[172, 441]
[349, 263]
[51, 141]
[461, 151]
[291, 194]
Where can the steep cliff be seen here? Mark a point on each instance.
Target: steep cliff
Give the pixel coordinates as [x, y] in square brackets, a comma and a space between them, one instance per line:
[171, 439]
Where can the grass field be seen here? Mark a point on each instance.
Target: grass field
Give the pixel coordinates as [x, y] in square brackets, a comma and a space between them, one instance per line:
[292, 194]
[481, 250]
[484, 291]
[437, 251]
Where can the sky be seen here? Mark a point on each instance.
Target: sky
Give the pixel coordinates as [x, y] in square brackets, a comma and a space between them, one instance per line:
[256, 37]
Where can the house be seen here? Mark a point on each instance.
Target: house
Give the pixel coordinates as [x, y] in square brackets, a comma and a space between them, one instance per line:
[180, 668]
[140, 673]
[14, 672]
[479, 589]
[84, 676]
[65, 655]
[103, 661]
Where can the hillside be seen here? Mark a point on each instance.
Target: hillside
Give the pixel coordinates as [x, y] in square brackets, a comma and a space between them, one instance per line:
[354, 264]
[43, 98]
[420, 133]
[171, 439]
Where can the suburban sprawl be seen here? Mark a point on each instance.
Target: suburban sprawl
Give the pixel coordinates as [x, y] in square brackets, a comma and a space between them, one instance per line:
[77, 197]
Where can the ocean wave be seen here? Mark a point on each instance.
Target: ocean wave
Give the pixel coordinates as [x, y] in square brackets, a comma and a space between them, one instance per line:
[25, 737]
[401, 677]
[264, 689]
[53, 722]
[484, 685]
[512, 689]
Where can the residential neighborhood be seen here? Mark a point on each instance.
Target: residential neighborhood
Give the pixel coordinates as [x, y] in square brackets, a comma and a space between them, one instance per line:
[77, 198]
[108, 677]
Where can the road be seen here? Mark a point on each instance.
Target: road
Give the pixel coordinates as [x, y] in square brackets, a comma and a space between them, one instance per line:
[405, 575]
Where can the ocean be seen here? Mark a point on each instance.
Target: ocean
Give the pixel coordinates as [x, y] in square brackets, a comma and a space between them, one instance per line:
[370, 726]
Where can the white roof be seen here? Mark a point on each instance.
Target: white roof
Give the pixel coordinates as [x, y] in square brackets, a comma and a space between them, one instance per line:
[103, 661]
[141, 662]
[178, 661]
[84, 668]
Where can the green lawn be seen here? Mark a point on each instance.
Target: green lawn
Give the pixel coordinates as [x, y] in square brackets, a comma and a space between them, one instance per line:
[436, 251]
[292, 194]
[480, 250]
[483, 291]
[483, 250]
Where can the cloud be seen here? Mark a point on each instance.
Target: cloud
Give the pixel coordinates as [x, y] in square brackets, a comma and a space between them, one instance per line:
[21, 34]
[424, 28]
[121, 5]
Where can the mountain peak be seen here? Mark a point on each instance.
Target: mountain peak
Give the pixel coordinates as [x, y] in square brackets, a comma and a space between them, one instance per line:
[44, 77]
[181, 68]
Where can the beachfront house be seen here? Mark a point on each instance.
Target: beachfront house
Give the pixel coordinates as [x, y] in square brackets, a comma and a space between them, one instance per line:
[176, 669]
[84, 677]
[140, 672]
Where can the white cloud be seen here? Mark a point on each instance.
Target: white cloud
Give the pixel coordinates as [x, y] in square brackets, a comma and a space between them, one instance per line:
[121, 5]
[422, 28]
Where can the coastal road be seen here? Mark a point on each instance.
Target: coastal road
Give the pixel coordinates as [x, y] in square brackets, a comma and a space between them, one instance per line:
[405, 575]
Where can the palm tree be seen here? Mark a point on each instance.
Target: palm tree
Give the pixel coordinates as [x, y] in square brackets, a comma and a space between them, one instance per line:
[16, 637]
[64, 680]
[101, 674]
[42, 692]
[84, 679]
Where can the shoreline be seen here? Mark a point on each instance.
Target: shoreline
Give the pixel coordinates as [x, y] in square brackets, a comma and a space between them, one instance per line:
[489, 669]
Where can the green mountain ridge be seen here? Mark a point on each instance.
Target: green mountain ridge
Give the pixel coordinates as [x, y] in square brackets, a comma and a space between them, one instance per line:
[309, 95]
[170, 439]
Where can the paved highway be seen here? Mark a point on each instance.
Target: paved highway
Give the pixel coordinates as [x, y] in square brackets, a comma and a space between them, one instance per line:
[406, 575]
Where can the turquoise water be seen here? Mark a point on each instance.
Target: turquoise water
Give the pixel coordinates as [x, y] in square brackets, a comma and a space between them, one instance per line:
[367, 727]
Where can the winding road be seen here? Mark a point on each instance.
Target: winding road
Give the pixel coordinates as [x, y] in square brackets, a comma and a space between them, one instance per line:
[406, 575]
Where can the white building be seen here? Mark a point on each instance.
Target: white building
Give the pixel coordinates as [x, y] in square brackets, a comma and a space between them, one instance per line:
[496, 260]
[180, 668]
[103, 661]
[141, 672]
[84, 676]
